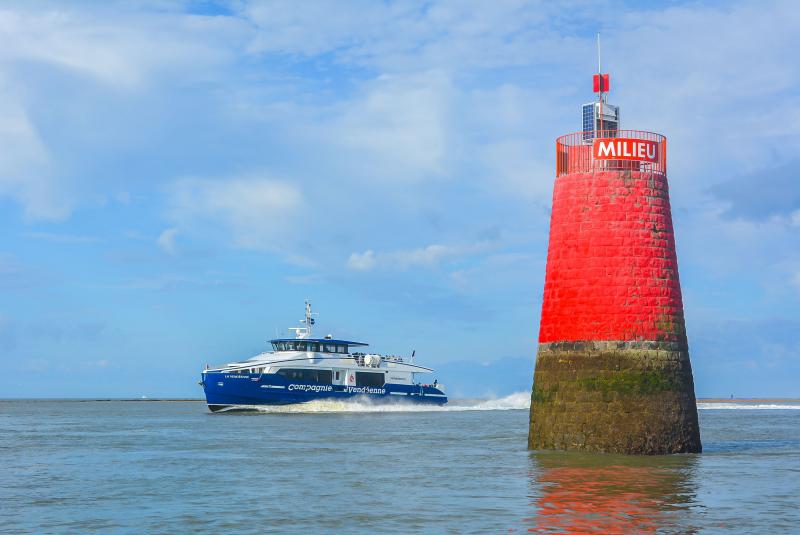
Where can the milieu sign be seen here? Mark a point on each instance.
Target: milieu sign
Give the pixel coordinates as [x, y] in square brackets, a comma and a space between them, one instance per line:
[624, 148]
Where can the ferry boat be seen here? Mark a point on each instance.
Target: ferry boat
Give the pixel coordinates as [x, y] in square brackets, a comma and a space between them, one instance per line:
[305, 368]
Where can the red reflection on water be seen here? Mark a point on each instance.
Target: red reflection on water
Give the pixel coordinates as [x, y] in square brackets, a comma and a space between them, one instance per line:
[605, 498]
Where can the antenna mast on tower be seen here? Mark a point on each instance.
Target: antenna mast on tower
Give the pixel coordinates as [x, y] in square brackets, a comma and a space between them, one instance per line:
[600, 76]
[601, 86]
[598, 54]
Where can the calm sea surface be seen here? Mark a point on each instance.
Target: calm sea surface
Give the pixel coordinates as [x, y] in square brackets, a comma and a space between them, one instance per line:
[171, 467]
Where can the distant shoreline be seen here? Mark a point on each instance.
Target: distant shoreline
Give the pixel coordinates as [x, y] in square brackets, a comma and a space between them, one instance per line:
[748, 400]
[200, 400]
[91, 400]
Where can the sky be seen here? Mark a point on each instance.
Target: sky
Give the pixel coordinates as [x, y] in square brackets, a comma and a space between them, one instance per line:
[176, 178]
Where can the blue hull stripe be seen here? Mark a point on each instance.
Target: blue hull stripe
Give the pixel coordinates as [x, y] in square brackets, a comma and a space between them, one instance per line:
[225, 389]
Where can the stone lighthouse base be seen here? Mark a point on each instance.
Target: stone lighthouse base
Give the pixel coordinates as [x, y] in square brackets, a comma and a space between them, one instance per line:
[614, 397]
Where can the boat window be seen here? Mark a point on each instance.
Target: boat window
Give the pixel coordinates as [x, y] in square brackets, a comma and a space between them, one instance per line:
[301, 346]
[329, 348]
[337, 375]
[306, 375]
[370, 379]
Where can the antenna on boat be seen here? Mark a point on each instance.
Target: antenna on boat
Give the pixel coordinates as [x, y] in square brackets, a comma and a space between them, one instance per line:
[309, 321]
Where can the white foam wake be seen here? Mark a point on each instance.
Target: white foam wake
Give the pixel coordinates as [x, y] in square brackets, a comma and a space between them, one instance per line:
[516, 401]
[740, 406]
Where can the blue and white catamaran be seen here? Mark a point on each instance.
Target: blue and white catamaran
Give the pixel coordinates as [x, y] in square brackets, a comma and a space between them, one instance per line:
[305, 368]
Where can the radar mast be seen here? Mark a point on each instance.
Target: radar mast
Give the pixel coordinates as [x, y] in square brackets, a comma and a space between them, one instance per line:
[305, 332]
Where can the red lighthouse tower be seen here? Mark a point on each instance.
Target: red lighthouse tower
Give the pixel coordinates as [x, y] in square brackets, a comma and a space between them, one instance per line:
[612, 370]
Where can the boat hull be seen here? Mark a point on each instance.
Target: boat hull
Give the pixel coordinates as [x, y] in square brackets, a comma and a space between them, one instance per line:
[227, 391]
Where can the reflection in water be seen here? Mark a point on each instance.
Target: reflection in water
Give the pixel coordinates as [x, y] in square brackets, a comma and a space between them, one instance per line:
[592, 493]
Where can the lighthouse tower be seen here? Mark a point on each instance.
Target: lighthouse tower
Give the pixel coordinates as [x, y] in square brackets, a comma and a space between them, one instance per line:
[612, 369]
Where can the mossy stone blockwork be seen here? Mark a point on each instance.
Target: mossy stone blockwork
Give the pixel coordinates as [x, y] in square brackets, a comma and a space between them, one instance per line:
[615, 397]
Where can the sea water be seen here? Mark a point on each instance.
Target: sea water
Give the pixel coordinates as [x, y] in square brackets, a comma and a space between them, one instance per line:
[173, 467]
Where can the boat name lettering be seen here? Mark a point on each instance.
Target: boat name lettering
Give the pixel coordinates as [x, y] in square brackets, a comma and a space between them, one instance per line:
[311, 388]
[364, 390]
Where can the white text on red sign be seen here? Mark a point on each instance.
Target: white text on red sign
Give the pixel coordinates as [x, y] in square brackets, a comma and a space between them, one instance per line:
[623, 148]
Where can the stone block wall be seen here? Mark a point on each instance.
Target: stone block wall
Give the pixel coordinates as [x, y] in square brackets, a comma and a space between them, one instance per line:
[612, 271]
[615, 397]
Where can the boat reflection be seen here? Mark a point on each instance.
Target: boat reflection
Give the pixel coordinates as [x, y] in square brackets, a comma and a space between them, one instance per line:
[591, 493]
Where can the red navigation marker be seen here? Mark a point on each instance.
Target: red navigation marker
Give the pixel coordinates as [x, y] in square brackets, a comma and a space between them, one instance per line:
[601, 83]
[612, 368]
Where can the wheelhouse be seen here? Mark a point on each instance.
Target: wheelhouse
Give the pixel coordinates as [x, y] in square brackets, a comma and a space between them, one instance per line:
[322, 345]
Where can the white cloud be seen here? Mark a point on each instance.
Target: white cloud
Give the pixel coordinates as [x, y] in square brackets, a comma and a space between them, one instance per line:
[166, 240]
[795, 218]
[62, 238]
[362, 261]
[310, 28]
[426, 257]
[500, 271]
[717, 81]
[119, 50]
[516, 171]
[258, 212]
[412, 36]
[54, 57]
[25, 173]
[396, 128]
[304, 280]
